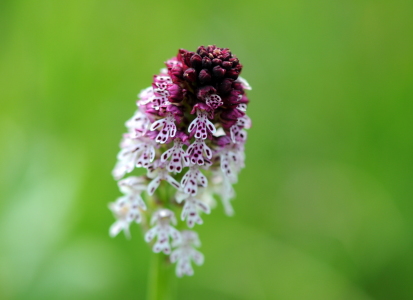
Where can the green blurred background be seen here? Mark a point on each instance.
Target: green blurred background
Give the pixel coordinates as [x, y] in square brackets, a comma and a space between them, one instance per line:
[324, 208]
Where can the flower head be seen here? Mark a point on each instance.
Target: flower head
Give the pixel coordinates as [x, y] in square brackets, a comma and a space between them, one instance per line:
[163, 230]
[189, 133]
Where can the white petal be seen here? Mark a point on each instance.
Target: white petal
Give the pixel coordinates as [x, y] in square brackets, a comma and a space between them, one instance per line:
[175, 255]
[153, 185]
[115, 228]
[157, 124]
[167, 154]
[210, 126]
[150, 234]
[197, 257]
[173, 182]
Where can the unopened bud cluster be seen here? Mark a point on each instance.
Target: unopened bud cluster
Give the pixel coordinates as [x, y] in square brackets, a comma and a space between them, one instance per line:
[188, 133]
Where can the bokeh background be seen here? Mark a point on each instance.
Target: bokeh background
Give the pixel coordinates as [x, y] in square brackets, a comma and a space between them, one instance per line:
[324, 209]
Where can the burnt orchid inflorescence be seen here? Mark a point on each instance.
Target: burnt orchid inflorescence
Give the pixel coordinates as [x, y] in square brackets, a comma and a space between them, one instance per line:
[188, 132]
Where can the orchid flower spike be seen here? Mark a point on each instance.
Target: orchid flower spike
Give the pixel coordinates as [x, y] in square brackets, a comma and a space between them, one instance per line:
[189, 133]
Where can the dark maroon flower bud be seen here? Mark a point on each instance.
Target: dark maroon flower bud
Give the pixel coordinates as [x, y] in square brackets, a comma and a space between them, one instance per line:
[236, 85]
[201, 50]
[175, 92]
[190, 75]
[200, 105]
[176, 73]
[216, 62]
[185, 56]
[211, 48]
[233, 73]
[238, 68]
[244, 99]
[222, 141]
[225, 86]
[196, 61]
[204, 91]
[204, 76]
[206, 63]
[234, 61]
[218, 71]
[226, 54]
[233, 98]
[181, 54]
[226, 65]
[229, 117]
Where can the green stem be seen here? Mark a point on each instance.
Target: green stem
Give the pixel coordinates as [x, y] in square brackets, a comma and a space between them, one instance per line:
[161, 278]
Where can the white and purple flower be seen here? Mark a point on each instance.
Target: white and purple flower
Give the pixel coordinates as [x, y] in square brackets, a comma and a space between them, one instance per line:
[185, 252]
[189, 130]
